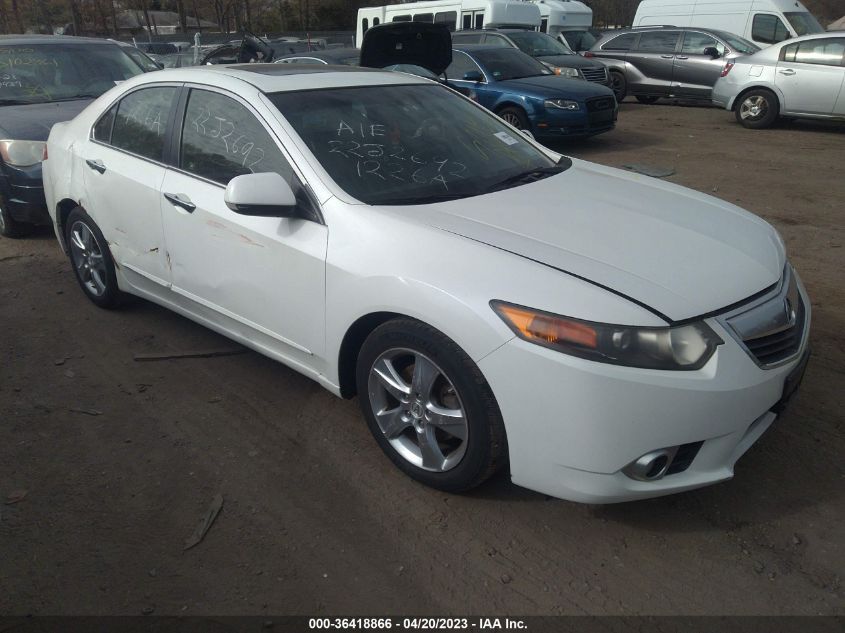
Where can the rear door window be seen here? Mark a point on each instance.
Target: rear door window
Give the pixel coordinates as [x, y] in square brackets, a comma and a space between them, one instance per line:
[140, 125]
[461, 64]
[768, 28]
[658, 42]
[825, 52]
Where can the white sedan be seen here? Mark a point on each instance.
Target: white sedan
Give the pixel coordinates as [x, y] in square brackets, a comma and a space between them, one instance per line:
[603, 335]
[803, 78]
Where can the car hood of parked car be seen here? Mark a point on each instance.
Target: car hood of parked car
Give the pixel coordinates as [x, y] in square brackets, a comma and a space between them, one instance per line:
[33, 122]
[681, 253]
[552, 86]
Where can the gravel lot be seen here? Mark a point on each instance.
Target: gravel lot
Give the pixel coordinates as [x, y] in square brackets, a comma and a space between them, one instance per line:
[317, 521]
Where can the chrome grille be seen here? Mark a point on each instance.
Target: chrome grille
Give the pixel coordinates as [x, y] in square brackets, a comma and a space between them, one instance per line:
[772, 328]
[595, 74]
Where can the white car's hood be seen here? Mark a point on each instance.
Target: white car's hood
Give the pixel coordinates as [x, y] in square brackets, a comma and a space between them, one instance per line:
[679, 252]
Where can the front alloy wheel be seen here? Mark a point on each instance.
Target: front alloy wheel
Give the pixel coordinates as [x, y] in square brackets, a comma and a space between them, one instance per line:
[418, 410]
[429, 407]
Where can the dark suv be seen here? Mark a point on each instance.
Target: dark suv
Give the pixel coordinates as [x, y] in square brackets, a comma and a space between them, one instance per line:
[554, 54]
[661, 61]
[45, 79]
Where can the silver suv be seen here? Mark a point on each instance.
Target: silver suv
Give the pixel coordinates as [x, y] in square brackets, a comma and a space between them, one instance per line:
[663, 61]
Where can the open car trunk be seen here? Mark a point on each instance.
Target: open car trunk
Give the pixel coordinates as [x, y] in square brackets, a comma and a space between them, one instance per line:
[414, 43]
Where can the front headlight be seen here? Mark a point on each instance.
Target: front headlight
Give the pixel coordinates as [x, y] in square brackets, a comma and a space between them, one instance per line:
[22, 153]
[562, 104]
[571, 73]
[683, 347]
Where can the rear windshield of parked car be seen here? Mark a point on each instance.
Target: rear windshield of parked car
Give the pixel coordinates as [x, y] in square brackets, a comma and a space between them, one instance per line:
[408, 144]
[42, 73]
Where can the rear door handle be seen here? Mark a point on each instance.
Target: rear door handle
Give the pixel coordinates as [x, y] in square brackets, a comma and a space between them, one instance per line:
[96, 165]
[787, 71]
[181, 200]
[681, 57]
[667, 56]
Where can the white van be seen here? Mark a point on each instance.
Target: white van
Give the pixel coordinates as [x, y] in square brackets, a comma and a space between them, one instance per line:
[764, 22]
[456, 14]
[557, 16]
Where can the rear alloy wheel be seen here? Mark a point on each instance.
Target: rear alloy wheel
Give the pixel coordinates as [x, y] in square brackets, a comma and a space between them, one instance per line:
[429, 407]
[619, 85]
[515, 116]
[757, 109]
[9, 226]
[646, 99]
[92, 261]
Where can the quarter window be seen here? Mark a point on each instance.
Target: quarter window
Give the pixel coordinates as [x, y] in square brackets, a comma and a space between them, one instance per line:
[221, 139]
[141, 122]
[102, 131]
[768, 28]
[658, 42]
[827, 52]
[622, 43]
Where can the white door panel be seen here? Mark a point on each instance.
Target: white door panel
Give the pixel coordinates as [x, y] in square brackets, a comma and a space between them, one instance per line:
[266, 273]
[124, 202]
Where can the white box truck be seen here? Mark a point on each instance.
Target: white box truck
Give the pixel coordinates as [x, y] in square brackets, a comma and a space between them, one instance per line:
[764, 22]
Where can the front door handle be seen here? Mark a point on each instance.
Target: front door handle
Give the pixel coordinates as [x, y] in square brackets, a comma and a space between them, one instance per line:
[181, 200]
[681, 57]
[787, 72]
[96, 165]
[667, 56]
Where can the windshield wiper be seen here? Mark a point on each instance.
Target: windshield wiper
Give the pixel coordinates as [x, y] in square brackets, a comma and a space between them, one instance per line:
[76, 97]
[424, 199]
[532, 175]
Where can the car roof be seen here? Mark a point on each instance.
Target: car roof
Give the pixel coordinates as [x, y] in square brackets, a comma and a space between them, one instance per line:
[270, 78]
[473, 48]
[495, 30]
[332, 53]
[6, 40]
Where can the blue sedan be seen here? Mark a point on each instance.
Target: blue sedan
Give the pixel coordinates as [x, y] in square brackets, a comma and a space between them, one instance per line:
[528, 95]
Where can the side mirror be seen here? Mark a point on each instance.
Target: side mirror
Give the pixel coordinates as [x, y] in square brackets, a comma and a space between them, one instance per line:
[473, 75]
[712, 51]
[263, 195]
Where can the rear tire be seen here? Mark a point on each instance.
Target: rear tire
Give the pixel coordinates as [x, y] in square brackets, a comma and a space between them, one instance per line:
[429, 407]
[646, 99]
[91, 259]
[9, 226]
[757, 109]
[619, 85]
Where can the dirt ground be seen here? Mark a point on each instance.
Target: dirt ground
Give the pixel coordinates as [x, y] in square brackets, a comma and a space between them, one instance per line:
[317, 521]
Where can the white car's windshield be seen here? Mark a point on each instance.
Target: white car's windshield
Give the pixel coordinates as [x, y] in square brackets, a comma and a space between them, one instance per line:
[41, 73]
[410, 144]
[804, 23]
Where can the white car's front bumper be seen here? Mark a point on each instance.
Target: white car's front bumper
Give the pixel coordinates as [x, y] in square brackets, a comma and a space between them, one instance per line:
[574, 424]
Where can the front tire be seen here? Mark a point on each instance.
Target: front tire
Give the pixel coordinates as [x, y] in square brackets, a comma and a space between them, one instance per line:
[515, 116]
[619, 85]
[429, 407]
[757, 109]
[91, 259]
[9, 226]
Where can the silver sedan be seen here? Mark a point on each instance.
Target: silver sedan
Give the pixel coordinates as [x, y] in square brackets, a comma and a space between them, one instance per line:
[801, 77]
